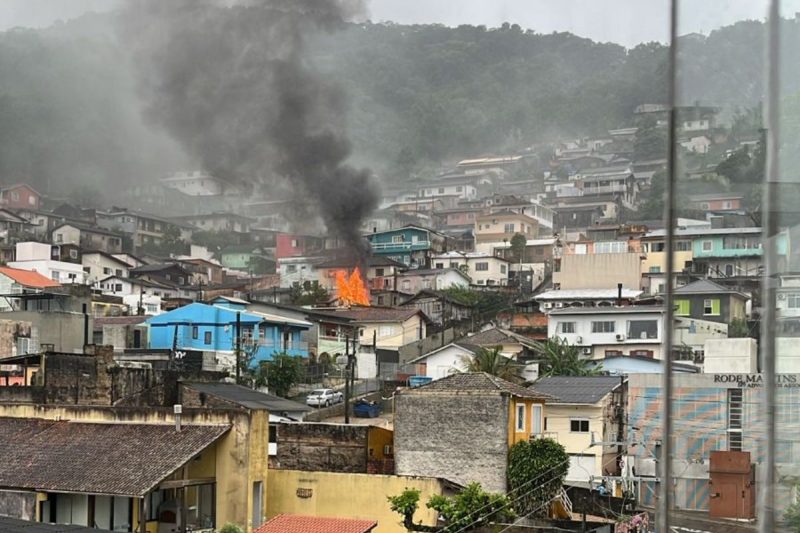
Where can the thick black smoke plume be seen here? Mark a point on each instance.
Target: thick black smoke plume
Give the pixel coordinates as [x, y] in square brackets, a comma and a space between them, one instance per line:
[229, 81]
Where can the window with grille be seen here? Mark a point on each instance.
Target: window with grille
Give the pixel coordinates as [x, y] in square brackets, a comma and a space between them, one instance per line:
[603, 327]
[735, 415]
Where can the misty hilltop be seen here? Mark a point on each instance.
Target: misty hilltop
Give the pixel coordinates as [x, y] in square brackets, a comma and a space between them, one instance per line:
[71, 118]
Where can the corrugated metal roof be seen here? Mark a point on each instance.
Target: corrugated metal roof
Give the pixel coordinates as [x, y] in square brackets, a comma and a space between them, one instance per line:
[477, 382]
[576, 389]
[248, 398]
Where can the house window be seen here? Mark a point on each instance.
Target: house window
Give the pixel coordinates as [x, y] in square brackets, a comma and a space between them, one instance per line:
[31, 200]
[379, 272]
[509, 228]
[658, 247]
[380, 300]
[642, 329]
[579, 425]
[536, 419]
[603, 327]
[613, 353]
[735, 411]
[793, 300]
[683, 307]
[73, 254]
[683, 246]
[642, 353]
[397, 239]
[729, 270]
[439, 265]
[59, 237]
[707, 246]
[459, 188]
[195, 332]
[294, 243]
[711, 307]
[207, 337]
[118, 272]
[14, 195]
[106, 270]
[118, 287]
[503, 269]
[385, 331]
[441, 190]
[566, 327]
[655, 269]
[291, 269]
[482, 266]
[520, 417]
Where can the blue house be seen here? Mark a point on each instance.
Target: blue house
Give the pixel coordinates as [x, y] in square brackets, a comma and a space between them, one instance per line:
[212, 328]
[411, 245]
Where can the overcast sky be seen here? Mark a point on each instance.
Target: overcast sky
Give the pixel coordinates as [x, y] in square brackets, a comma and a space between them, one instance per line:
[627, 22]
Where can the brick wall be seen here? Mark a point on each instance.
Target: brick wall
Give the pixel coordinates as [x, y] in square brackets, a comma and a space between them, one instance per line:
[322, 447]
[462, 437]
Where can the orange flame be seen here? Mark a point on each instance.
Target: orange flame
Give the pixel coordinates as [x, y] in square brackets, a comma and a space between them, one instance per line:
[351, 289]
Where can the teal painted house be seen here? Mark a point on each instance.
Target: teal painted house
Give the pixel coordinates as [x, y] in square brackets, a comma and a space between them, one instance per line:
[212, 328]
[412, 245]
[731, 252]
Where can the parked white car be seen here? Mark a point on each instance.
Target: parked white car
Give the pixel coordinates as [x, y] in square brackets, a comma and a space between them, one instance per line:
[324, 397]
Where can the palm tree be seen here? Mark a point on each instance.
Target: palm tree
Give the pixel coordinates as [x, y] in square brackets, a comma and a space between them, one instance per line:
[493, 362]
[562, 359]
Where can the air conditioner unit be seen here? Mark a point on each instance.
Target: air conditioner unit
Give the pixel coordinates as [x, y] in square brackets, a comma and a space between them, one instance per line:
[578, 340]
[620, 337]
[559, 304]
[587, 351]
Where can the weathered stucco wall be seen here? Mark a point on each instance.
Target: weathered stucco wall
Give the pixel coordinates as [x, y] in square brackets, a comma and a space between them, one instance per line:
[348, 496]
[462, 437]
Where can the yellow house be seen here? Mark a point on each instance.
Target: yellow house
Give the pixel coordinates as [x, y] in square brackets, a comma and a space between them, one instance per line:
[130, 469]
[654, 264]
[586, 416]
[461, 427]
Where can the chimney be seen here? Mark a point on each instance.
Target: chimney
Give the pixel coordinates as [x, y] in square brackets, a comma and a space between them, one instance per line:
[619, 294]
[178, 410]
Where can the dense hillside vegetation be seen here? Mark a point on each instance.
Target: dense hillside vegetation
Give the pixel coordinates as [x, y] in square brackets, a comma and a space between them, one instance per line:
[419, 95]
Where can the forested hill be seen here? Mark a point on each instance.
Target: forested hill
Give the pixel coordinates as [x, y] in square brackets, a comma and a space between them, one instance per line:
[419, 94]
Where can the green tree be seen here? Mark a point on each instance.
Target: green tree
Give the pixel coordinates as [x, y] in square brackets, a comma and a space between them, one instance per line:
[469, 510]
[738, 328]
[651, 141]
[518, 244]
[559, 358]
[230, 528]
[309, 293]
[491, 361]
[280, 374]
[536, 472]
[792, 514]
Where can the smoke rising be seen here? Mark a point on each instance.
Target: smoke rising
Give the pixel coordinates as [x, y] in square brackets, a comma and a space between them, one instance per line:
[230, 82]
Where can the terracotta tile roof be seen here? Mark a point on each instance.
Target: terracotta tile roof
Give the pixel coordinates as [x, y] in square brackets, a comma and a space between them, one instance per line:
[477, 382]
[286, 523]
[111, 459]
[29, 278]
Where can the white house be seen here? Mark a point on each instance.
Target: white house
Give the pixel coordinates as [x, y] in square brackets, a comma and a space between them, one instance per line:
[413, 281]
[120, 286]
[609, 331]
[443, 361]
[558, 299]
[194, 183]
[483, 268]
[297, 270]
[699, 144]
[149, 304]
[100, 265]
[465, 191]
[36, 257]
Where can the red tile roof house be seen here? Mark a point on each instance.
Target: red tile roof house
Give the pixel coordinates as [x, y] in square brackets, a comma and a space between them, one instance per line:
[286, 523]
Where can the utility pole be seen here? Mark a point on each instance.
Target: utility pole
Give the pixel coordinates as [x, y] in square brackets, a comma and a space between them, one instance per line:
[238, 345]
[347, 380]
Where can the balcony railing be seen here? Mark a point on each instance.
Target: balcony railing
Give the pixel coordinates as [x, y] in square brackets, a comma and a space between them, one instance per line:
[399, 246]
